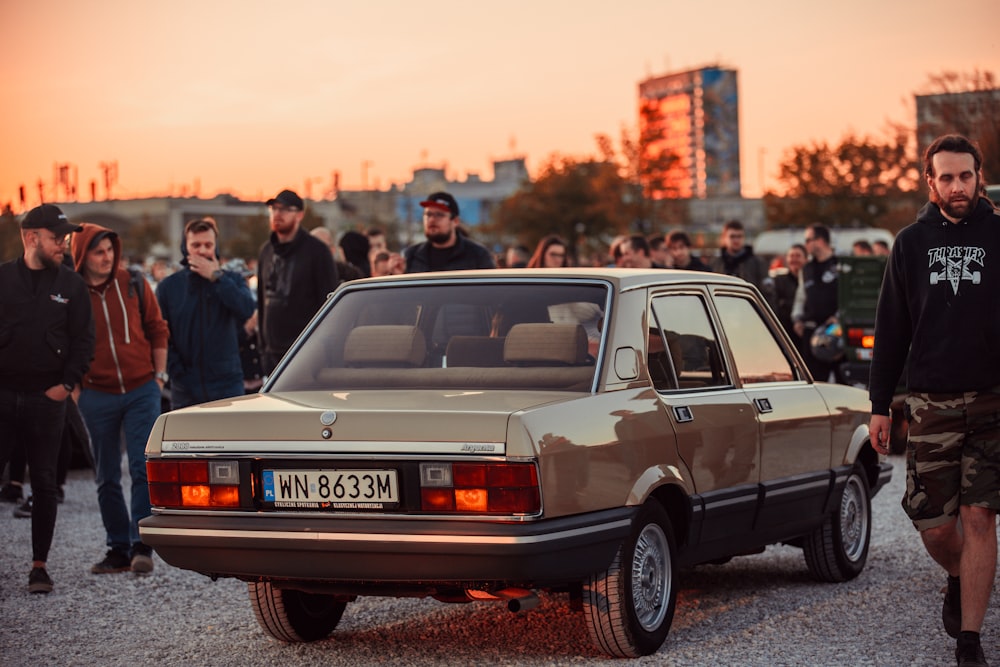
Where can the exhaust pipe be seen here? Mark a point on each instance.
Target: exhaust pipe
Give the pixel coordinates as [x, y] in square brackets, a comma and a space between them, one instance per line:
[522, 603]
[518, 599]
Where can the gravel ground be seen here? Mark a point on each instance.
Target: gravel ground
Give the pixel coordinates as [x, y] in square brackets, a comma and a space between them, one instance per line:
[754, 610]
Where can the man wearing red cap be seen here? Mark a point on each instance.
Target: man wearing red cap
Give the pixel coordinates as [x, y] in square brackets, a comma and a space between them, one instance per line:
[445, 249]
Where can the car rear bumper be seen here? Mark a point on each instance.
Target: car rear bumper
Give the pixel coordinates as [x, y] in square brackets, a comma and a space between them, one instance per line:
[396, 551]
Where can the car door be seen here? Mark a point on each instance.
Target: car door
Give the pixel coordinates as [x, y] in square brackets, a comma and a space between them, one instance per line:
[715, 423]
[795, 455]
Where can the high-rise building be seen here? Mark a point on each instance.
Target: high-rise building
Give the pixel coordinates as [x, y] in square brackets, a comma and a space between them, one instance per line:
[689, 134]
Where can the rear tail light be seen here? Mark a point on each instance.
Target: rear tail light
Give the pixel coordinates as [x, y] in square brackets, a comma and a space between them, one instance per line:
[480, 488]
[193, 483]
[858, 337]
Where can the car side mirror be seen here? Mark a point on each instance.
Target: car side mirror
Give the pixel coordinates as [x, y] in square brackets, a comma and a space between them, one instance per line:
[626, 363]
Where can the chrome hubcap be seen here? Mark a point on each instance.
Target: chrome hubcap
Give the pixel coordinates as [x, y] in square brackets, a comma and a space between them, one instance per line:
[651, 577]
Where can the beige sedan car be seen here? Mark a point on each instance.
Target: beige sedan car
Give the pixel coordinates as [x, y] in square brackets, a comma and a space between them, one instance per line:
[484, 435]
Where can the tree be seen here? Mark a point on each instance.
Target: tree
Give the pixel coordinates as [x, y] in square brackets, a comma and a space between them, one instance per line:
[578, 199]
[652, 199]
[860, 182]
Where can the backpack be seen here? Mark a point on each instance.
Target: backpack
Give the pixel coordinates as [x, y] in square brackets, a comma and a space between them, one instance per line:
[137, 288]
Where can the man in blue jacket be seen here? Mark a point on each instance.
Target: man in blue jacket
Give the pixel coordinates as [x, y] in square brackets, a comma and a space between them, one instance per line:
[205, 307]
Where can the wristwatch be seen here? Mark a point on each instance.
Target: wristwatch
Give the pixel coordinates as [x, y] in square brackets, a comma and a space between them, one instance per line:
[216, 275]
[161, 376]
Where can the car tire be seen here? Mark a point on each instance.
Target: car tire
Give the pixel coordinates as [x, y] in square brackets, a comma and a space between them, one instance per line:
[838, 550]
[294, 616]
[629, 607]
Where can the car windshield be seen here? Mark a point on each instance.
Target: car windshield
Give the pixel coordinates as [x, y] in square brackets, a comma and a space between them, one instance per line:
[468, 335]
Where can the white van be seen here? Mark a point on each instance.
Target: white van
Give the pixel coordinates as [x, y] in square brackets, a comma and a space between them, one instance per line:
[777, 241]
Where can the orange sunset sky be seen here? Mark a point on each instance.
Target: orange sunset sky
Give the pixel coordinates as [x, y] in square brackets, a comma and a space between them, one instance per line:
[251, 96]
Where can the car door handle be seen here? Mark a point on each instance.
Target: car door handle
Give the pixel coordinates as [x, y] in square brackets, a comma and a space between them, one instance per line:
[763, 404]
[683, 414]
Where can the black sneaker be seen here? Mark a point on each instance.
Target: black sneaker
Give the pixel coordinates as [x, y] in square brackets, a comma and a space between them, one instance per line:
[969, 652]
[951, 610]
[11, 493]
[142, 559]
[23, 511]
[39, 581]
[114, 561]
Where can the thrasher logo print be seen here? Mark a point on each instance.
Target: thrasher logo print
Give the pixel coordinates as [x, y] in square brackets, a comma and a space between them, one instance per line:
[956, 264]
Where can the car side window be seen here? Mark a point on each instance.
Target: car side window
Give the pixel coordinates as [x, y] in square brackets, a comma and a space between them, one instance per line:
[758, 355]
[683, 349]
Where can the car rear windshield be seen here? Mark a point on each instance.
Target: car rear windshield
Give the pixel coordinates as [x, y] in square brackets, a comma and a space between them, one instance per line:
[471, 335]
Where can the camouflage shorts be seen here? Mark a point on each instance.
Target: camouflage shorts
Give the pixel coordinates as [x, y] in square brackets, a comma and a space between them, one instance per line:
[952, 455]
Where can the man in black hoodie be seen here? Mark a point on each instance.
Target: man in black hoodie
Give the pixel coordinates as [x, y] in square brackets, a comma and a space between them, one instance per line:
[940, 303]
[295, 275]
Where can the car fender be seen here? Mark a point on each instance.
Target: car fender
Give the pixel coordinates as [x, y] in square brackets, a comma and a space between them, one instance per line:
[654, 478]
[859, 438]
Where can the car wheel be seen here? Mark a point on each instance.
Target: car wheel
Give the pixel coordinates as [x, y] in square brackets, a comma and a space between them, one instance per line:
[294, 616]
[629, 606]
[838, 550]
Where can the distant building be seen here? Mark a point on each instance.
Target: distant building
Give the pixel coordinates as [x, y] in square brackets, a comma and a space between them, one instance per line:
[694, 116]
[972, 113]
[476, 198]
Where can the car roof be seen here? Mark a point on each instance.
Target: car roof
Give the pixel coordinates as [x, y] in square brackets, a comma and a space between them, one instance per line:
[622, 279]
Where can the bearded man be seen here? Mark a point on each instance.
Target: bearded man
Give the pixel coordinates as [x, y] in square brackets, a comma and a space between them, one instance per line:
[939, 316]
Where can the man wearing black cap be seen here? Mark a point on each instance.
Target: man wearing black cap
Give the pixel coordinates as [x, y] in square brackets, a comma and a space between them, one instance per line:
[445, 249]
[46, 341]
[295, 274]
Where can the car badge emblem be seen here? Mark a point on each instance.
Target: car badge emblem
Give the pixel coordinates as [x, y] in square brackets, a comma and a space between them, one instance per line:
[327, 418]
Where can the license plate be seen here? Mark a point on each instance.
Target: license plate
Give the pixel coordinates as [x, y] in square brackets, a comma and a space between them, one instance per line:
[331, 489]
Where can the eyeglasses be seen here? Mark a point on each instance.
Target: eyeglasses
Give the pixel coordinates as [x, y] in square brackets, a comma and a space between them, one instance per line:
[283, 209]
[58, 240]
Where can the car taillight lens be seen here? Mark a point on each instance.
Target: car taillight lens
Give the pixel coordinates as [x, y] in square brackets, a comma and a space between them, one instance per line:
[480, 488]
[858, 337]
[193, 483]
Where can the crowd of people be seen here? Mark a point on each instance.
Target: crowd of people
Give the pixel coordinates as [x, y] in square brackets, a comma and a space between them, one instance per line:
[129, 344]
[86, 347]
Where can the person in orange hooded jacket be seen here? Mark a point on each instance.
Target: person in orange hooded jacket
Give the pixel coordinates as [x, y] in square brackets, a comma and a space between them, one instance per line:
[121, 390]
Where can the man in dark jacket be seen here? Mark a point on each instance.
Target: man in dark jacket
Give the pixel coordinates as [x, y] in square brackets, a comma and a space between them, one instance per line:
[205, 308]
[445, 248]
[940, 303]
[46, 342]
[295, 274]
[818, 298]
[737, 259]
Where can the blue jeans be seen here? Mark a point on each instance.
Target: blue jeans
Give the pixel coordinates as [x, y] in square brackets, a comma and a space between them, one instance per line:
[108, 417]
[32, 421]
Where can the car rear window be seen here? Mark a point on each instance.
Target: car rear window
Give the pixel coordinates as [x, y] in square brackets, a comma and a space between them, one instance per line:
[517, 335]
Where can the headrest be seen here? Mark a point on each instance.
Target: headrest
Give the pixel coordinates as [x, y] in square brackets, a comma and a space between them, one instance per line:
[546, 344]
[385, 345]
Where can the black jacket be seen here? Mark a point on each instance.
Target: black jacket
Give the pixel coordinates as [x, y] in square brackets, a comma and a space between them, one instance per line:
[293, 281]
[46, 334]
[940, 301]
[819, 280]
[465, 254]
